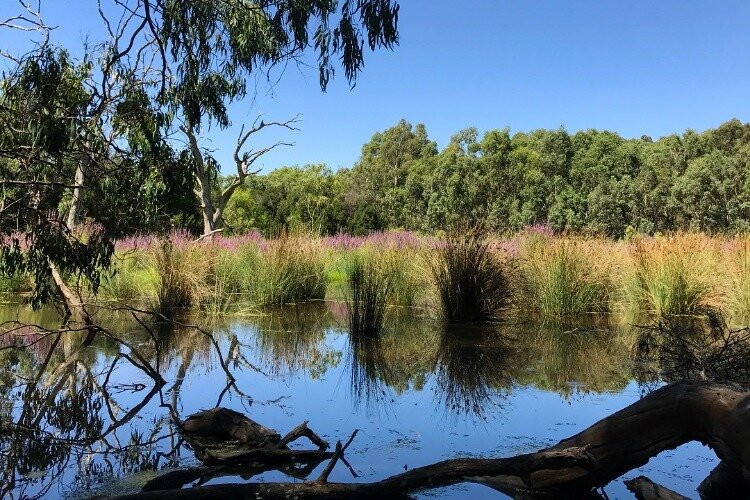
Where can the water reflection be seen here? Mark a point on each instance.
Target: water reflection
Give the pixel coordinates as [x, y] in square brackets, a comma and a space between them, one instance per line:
[473, 366]
[369, 369]
[575, 360]
[92, 416]
[57, 413]
[292, 338]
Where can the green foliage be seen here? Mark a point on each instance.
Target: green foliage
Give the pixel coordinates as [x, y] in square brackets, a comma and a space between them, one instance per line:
[592, 181]
[288, 199]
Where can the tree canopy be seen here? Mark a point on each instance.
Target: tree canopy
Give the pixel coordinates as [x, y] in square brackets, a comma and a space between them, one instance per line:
[93, 139]
[590, 181]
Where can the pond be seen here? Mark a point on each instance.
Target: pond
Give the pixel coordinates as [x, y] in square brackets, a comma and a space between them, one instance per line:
[419, 394]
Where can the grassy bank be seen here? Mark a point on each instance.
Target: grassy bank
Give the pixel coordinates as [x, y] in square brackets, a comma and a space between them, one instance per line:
[552, 275]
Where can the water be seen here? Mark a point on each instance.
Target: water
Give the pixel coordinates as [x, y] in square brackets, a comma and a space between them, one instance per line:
[420, 394]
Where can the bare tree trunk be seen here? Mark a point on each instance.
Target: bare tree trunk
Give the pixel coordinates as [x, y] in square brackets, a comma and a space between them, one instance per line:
[213, 209]
[714, 414]
[75, 206]
[210, 224]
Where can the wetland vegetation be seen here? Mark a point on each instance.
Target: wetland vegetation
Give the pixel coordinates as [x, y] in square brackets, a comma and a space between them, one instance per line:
[542, 313]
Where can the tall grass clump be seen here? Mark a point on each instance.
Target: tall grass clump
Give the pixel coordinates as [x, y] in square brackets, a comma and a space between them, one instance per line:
[471, 281]
[737, 256]
[291, 269]
[408, 280]
[673, 275]
[369, 285]
[179, 270]
[229, 278]
[127, 279]
[559, 278]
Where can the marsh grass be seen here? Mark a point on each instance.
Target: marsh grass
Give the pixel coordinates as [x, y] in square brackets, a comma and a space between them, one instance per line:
[408, 277]
[17, 284]
[463, 276]
[290, 270]
[737, 279]
[471, 281]
[673, 275]
[178, 272]
[559, 278]
[369, 279]
[229, 278]
[127, 279]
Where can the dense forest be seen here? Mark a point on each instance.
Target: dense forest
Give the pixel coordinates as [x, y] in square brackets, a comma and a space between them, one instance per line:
[590, 181]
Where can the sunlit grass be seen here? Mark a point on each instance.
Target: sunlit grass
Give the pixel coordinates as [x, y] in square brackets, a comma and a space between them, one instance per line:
[291, 270]
[736, 254]
[464, 279]
[562, 276]
[676, 274]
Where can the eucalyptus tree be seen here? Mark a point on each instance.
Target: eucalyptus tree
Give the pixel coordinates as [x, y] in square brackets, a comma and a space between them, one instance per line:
[101, 128]
[206, 50]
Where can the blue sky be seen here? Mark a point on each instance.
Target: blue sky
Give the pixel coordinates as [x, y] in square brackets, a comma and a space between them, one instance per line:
[636, 67]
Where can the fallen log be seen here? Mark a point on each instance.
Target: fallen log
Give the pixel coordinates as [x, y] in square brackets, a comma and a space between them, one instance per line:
[716, 415]
[223, 436]
[724, 482]
[645, 489]
[225, 424]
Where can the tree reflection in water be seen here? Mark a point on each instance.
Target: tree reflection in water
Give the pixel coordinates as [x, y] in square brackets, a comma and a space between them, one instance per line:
[55, 410]
[74, 416]
[292, 338]
[66, 405]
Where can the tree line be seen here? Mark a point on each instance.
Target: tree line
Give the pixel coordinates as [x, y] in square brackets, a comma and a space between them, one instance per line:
[589, 181]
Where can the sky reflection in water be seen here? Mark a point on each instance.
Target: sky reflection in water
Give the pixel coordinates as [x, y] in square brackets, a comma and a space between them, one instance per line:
[418, 394]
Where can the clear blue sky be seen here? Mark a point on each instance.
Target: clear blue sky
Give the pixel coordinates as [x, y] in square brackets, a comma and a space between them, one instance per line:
[635, 67]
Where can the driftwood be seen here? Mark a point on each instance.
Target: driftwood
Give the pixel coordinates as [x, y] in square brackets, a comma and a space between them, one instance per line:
[298, 468]
[223, 436]
[724, 482]
[645, 489]
[714, 414]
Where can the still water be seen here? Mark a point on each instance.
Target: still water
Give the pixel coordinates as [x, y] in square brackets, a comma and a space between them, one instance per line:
[95, 424]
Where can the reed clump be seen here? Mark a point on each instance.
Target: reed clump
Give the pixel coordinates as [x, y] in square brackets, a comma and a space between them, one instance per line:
[673, 275]
[561, 277]
[127, 279]
[178, 272]
[736, 253]
[369, 286]
[291, 269]
[229, 278]
[471, 281]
